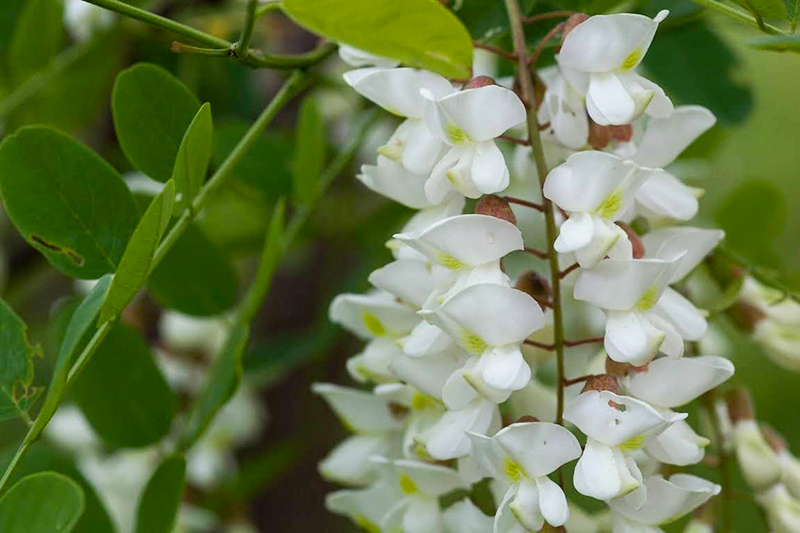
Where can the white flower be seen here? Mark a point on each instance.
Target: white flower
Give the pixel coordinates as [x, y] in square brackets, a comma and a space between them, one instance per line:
[448, 439]
[781, 343]
[83, 20]
[564, 109]
[398, 91]
[464, 517]
[772, 302]
[667, 501]
[600, 54]
[366, 507]
[376, 431]
[627, 291]
[614, 426]
[188, 333]
[759, 463]
[421, 221]
[790, 471]
[356, 57]
[783, 511]
[521, 456]
[469, 121]
[663, 196]
[669, 383]
[596, 189]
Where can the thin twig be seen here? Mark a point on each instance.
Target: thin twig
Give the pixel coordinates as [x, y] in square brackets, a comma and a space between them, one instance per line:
[495, 50]
[545, 16]
[540, 345]
[181, 48]
[573, 381]
[590, 340]
[534, 58]
[566, 272]
[515, 140]
[526, 203]
[538, 253]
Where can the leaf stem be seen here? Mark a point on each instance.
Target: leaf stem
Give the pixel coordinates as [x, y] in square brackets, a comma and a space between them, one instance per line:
[758, 272]
[242, 48]
[739, 15]
[528, 95]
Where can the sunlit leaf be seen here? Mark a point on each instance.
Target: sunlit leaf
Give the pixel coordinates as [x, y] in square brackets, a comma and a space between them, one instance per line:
[41, 503]
[194, 155]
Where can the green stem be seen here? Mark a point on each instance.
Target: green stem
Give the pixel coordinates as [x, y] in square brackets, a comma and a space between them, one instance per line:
[726, 494]
[758, 273]
[243, 46]
[739, 15]
[266, 7]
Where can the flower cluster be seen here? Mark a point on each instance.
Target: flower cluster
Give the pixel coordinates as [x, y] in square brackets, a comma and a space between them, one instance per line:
[455, 343]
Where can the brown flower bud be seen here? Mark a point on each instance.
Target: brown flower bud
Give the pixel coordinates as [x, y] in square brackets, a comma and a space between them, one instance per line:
[622, 133]
[599, 136]
[478, 82]
[535, 285]
[740, 405]
[570, 23]
[601, 382]
[495, 206]
[526, 418]
[773, 438]
[636, 241]
[746, 315]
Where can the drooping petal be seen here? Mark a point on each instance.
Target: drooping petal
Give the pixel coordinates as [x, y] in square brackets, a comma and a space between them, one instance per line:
[609, 102]
[372, 315]
[468, 119]
[596, 474]
[426, 339]
[608, 239]
[365, 507]
[690, 245]
[565, 110]
[631, 338]
[451, 206]
[422, 150]
[552, 502]
[671, 383]
[428, 374]
[525, 505]
[466, 240]
[621, 285]
[505, 368]
[465, 517]
[677, 445]
[396, 183]
[448, 438]
[423, 516]
[667, 500]
[664, 139]
[673, 344]
[663, 195]
[445, 175]
[504, 519]
[428, 479]
[397, 90]
[539, 448]
[575, 233]
[411, 280]
[348, 463]
[615, 420]
[473, 375]
[361, 411]
[489, 172]
[659, 105]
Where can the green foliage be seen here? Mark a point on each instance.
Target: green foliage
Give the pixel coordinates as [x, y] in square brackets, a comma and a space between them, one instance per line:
[774, 9]
[37, 38]
[419, 33]
[137, 260]
[41, 503]
[158, 506]
[205, 291]
[777, 43]
[265, 167]
[696, 67]
[309, 153]
[152, 110]
[487, 19]
[793, 12]
[83, 318]
[193, 157]
[66, 201]
[16, 369]
[222, 381]
[123, 394]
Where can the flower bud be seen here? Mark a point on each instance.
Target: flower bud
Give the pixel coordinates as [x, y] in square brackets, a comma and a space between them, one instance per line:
[600, 136]
[620, 370]
[601, 383]
[534, 285]
[479, 81]
[526, 418]
[633, 237]
[773, 438]
[783, 511]
[780, 342]
[740, 405]
[790, 474]
[758, 461]
[495, 206]
[746, 315]
[570, 23]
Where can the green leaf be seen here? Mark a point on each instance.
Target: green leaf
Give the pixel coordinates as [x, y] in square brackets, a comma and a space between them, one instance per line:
[309, 154]
[37, 38]
[777, 43]
[194, 155]
[79, 325]
[487, 19]
[694, 66]
[793, 11]
[773, 9]
[419, 33]
[122, 392]
[138, 257]
[16, 369]
[66, 201]
[41, 503]
[221, 383]
[158, 506]
[206, 291]
[152, 110]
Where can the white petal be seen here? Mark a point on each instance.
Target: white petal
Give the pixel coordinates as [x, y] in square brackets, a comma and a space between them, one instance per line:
[660, 106]
[411, 280]
[492, 315]
[525, 505]
[615, 420]
[467, 240]
[673, 344]
[422, 150]
[428, 374]
[504, 519]
[348, 463]
[691, 245]
[423, 516]
[505, 368]
[365, 507]
[631, 338]
[665, 139]
[489, 171]
[677, 445]
[596, 474]
[539, 448]
[467, 113]
[457, 393]
[448, 438]
[622, 285]
[427, 339]
[608, 239]
[358, 410]
[464, 517]
[398, 90]
[372, 315]
[492, 458]
[674, 382]
[663, 195]
[667, 500]
[396, 183]
[608, 101]
[429, 479]
[356, 57]
[440, 185]
[473, 374]
[609, 42]
[552, 502]
[575, 233]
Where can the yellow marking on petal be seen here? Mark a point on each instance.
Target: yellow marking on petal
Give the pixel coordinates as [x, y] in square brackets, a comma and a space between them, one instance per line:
[365, 524]
[421, 451]
[472, 342]
[454, 177]
[407, 485]
[422, 401]
[511, 469]
[611, 205]
[448, 261]
[632, 444]
[372, 324]
[648, 299]
[456, 134]
[392, 150]
[632, 60]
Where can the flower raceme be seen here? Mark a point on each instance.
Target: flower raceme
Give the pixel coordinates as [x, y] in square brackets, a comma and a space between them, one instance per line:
[445, 374]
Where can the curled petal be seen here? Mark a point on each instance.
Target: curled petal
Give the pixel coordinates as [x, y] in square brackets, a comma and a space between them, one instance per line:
[397, 90]
[674, 382]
